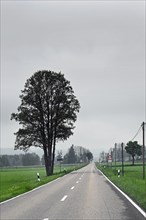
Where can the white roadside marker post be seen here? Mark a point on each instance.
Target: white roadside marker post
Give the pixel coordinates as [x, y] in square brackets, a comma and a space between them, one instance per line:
[38, 176]
[118, 173]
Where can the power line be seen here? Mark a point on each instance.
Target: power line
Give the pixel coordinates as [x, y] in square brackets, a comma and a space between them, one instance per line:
[137, 133]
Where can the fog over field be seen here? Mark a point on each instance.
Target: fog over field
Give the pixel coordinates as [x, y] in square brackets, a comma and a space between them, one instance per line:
[100, 48]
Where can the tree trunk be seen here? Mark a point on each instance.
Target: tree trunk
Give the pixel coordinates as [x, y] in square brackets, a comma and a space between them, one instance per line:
[48, 164]
[133, 160]
[54, 144]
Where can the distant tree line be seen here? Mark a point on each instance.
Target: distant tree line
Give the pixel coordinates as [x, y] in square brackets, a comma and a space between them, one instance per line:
[77, 154]
[131, 151]
[27, 159]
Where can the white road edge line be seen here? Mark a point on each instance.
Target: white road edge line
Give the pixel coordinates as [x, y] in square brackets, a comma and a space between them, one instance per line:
[64, 198]
[8, 200]
[23, 194]
[127, 197]
[72, 187]
[39, 187]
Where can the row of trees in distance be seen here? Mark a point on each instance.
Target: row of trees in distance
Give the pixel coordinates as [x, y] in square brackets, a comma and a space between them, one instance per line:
[131, 151]
[28, 159]
[75, 154]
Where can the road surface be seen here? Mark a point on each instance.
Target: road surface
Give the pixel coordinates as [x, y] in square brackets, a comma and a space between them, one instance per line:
[83, 194]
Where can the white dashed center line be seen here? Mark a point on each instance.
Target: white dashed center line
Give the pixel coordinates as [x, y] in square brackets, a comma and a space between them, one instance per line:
[64, 198]
[77, 182]
[45, 219]
[72, 187]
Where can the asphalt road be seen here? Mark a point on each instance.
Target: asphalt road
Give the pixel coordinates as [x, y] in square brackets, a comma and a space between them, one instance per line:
[83, 194]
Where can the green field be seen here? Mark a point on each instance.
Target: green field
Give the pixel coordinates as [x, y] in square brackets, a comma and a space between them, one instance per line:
[131, 183]
[14, 181]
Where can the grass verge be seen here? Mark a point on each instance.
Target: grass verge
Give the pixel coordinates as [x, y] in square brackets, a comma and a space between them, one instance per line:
[131, 183]
[15, 181]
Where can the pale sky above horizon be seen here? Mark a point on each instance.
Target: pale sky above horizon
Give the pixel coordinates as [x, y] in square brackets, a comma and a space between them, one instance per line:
[100, 48]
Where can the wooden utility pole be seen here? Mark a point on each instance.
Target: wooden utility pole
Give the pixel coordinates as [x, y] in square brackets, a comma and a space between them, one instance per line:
[115, 156]
[143, 149]
[122, 160]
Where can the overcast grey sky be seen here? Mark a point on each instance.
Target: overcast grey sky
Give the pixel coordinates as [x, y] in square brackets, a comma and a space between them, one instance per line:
[98, 45]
